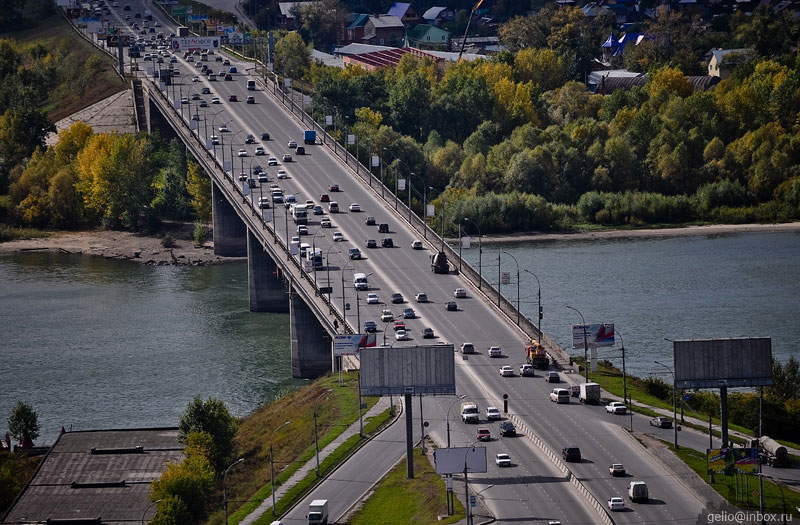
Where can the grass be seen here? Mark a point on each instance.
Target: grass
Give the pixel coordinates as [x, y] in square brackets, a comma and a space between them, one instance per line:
[398, 500]
[726, 486]
[8, 233]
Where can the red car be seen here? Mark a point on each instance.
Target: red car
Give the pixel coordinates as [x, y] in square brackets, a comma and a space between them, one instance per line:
[233, 98]
[333, 188]
[398, 325]
[484, 434]
[324, 198]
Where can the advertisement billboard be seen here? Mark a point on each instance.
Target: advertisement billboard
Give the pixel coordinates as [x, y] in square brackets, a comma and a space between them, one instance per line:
[191, 43]
[351, 344]
[455, 460]
[408, 370]
[597, 334]
[730, 461]
[729, 362]
[197, 18]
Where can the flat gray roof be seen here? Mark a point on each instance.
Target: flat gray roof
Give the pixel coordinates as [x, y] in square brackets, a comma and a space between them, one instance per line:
[71, 482]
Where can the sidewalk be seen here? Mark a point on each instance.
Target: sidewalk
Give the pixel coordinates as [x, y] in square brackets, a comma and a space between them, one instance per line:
[311, 465]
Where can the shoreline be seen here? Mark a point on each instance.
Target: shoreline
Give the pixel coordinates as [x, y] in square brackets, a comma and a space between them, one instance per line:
[145, 249]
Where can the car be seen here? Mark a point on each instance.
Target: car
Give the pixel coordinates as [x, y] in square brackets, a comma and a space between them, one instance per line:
[265, 136]
[333, 188]
[228, 76]
[215, 100]
[451, 306]
[243, 176]
[506, 371]
[292, 144]
[372, 243]
[492, 413]
[372, 298]
[574, 390]
[370, 326]
[338, 237]
[249, 139]
[354, 253]
[459, 293]
[571, 453]
[300, 150]
[427, 333]
[251, 100]
[277, 197]
[399, 325]
[258, 169]
[232, 69]
[325, 223]
[617, 469]
[214, 139]
[502, 460]
[333, 207]
[559, 395]
[552, 377]
[262, 177]
[526, 370]
[203, 104]
[184, 100]
[421, 297]
[507, 428]
[309, 204]
[196, 116]
[416, 245]
[287, 157]
[409, 313]
[302, 229]
[661, 422]
[222, 73]
[615, 407]
[260, 150]
[317, 210]
[616, 503]
[483, 434]
[494, 351]
[226, 62]
[386, 315]
[218, 59]
[233, 98]
[370, 221]
[387, 242]
[397, 298]
[282, 174]
[194, 78]
[206, 91]
[383, 228]
[401, 335]
[272, 161]
[289, 200]
[354, 207]
[324, 198]
[242, 152]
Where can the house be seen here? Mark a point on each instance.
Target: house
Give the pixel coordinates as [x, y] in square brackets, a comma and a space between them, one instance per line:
[722, 61]
[424, 36]
[384, 30]
[286, 17]
[354, 31]
[438, 15]
[405, 12]
[371, 60]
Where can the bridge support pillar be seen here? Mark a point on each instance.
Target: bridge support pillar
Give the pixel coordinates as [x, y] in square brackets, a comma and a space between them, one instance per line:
[267, 285]
[311, 343]
[230, 233]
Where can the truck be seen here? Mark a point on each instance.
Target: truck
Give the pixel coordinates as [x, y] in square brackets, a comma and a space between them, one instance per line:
[771, 452]
[148, 15]
[251, 85]
[637, 491]
[439, 263]
[299, 213]
[310, 136]
[589, 394]
[536, 355]
[318, 512]
[469, 413]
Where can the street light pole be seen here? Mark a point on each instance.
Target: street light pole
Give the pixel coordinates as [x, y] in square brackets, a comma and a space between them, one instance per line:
[272, 466]
[316, 440]
[156, 502]
[538, 301]
[459, 398]
[674, 403]
[480, 252]
[515, 262]
[585, 345]
[224, 492]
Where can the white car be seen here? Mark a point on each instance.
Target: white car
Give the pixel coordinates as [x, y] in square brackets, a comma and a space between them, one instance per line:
[223, 129]
[372, 298]
[272, 161]
[506, 371]
[325, 222]
[493, 413]
[616, 503]
[296, 239]
[214, 139]
[292, 144]
[386, 316]
[459, 293]
[422, 297]
[502, 460]
[338, 237]
[526, 370]
[401, 335]
[287, 157]
[494, 351]
[184, 100]
[195, 79]
[242, 152]
[615, 407]
[354, 207]
[302, 229]
[416, 245]
[215, 100]
[260, 150]
[282, 174]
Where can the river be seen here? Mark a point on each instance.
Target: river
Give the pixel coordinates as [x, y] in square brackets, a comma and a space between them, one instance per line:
[97, 343]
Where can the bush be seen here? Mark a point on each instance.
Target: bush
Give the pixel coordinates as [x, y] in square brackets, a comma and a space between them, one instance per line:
[190, 481]
[172, 511]
[199, 233]
[168, 241]
[722, 193]
[658, 388]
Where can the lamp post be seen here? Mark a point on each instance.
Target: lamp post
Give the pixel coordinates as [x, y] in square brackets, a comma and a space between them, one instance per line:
[498, 286]
[156, 502]
[272, 466]
[585, 345]
[224, 493]
[328, 270]
[459, 398]
[344, 310]
[539, 302]
[466, 484]
[314, 255]
[480, 252]
[316, 440]
[624, 377]
[674, 403]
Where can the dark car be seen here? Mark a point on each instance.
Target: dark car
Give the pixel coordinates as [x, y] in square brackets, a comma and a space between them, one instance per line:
[233, 98]
[507, 429]
[451, 306]
[571, 453]
[265, 136]
[661, 422]
[228, 76]
[387, 242]
[370, 326]
[333, 187]
[324, 198]
[370, 221]
[397, 298]
[250, 139]
[371, 243]
[383, 228]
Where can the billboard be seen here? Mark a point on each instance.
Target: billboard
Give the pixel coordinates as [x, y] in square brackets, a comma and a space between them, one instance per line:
[198, 42]
[712, 363]
[408, 370]
[730, 461]
[197, 18]
[597, 334]
[350, 344]
[455, 460]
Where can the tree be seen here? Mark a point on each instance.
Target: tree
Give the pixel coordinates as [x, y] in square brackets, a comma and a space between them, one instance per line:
[198, 184]
[191, 481]
[23, 424]
[210, 416]
[409, 104]
[172, 511]
[320, 22]
[546, 69]
[292, 56]
[785, 379]
[526, 31]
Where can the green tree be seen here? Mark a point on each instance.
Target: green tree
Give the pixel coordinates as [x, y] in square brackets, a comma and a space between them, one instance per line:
[198, 184]
[527, 31]
[409, 104]
[172, 511]
[320, 22]
[785, 379]
[210, 416]
[191, 481]
[23, 423]
[292, 56]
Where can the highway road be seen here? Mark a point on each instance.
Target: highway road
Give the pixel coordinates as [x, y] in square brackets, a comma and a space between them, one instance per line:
[531, 491]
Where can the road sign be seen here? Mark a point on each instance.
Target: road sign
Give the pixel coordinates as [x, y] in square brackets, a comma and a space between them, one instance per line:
[472, 501]
[180, 10]
[326, 289]
[506, 278]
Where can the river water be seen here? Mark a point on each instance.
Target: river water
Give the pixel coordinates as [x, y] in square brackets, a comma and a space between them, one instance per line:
[96, 343]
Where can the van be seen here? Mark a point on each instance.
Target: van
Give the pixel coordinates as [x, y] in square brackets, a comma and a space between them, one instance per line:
[360, 281]
[300, 150]
[251, 85]
[467, 348]
[333, 207]
[559, 395]
[469, 413]
[637, 491]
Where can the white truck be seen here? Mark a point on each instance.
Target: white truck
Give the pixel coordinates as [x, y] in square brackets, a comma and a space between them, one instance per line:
[469, 413]
[318, 512]
[589, 394]
[637, 491]
[300, 213]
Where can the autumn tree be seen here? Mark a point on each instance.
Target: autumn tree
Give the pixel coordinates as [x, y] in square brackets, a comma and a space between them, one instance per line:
[292, 56]
[198, 185]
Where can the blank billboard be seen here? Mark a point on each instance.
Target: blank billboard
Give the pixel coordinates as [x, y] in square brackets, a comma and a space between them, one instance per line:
[455, 460]
[408, 370]
[712, 363]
